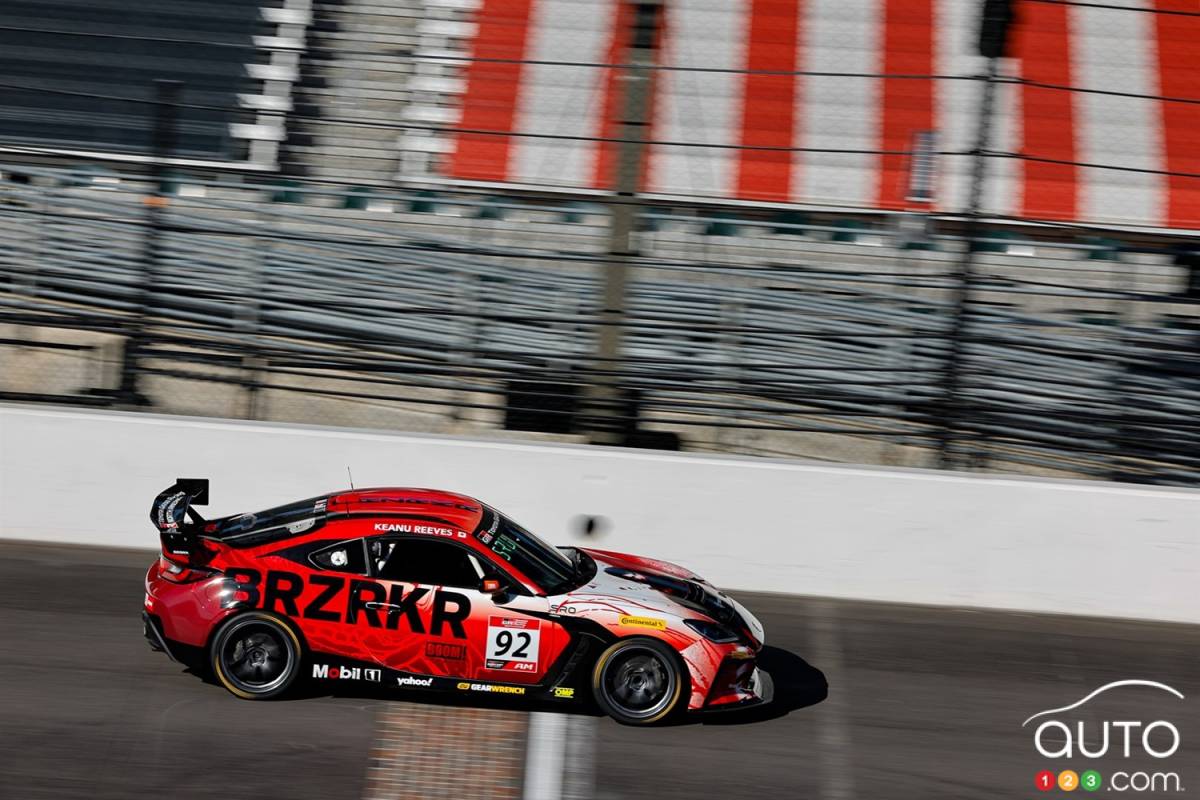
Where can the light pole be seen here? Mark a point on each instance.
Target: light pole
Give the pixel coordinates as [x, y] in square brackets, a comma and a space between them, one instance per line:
[635, 87]
[997, 18]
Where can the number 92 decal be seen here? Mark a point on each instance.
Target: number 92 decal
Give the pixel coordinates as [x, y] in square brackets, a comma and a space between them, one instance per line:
[512, 644]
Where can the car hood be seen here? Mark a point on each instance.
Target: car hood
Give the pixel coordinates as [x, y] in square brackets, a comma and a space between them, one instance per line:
[641, 564]
[632, 585]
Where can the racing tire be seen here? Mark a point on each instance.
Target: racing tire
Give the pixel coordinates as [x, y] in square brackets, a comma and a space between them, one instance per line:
[638, 681]
[256, 656]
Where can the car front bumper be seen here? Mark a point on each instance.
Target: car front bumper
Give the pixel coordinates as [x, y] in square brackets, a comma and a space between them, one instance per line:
[759, 691]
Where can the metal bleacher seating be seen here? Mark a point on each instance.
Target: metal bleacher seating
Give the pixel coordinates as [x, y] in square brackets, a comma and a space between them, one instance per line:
[79, 74]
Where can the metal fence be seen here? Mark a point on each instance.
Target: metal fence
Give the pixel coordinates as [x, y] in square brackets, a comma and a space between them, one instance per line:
[466, 313]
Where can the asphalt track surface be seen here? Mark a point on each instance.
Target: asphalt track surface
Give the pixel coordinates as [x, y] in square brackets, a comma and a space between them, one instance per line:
[921, 703]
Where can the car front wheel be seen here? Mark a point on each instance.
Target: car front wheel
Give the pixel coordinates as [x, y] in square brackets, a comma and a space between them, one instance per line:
[255, 656]
[638, 681]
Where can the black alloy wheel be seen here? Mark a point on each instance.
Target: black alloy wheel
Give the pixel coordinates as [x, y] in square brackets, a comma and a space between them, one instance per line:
[255, 656]
[638, 681]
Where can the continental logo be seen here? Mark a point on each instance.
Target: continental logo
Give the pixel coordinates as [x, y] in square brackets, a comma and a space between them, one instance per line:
[565, 692]
[491, 687]
[644, 622]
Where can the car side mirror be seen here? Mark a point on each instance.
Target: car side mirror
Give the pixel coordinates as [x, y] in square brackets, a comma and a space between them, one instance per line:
[499, 589]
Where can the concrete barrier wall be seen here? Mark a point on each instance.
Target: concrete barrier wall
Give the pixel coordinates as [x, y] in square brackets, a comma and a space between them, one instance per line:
[878, 534]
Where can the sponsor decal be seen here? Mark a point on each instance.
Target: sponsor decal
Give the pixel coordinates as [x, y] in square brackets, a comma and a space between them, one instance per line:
[488, 535]
[564, 692]
[513, 643]
[319, 506]
[301, 526]
[428, 530]
[446, 651]
[1140, 744]
[351, 601]
[325, 671]
[492, 688]
[409, 680]
[644, 622]
[563, 608]
[166, 511]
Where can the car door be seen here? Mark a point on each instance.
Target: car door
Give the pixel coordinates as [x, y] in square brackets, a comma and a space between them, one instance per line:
[436, 619]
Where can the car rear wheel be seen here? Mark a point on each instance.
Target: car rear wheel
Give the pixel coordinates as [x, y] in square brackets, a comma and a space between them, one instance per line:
[638, 681]
[255, 656]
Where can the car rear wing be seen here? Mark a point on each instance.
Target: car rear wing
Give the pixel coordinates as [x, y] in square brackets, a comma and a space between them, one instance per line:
[171, 511]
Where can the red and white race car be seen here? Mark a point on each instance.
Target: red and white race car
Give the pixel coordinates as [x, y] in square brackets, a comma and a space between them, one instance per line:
[430, 590]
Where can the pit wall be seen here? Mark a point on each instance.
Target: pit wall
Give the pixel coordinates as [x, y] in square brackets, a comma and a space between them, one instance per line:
[908, 536]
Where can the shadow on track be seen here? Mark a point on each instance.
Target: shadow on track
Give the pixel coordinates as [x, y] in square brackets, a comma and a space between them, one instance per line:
[798, 685]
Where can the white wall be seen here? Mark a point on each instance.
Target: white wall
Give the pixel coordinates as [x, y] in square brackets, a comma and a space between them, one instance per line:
[905, 536]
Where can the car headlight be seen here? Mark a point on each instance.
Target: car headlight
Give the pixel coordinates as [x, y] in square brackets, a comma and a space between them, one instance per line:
[711, 631]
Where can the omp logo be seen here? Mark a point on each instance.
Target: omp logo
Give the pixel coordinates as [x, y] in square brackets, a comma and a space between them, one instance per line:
[411, 681]
[644, 622]
[346, 673]
[564, 691]
[1059, 735]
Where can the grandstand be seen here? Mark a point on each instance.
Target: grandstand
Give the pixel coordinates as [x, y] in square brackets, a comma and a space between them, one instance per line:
[1092, 112]
[79, 74]
[396, 213]
[354, 89]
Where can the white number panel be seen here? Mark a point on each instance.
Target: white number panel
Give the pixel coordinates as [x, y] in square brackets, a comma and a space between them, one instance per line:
[512, 644]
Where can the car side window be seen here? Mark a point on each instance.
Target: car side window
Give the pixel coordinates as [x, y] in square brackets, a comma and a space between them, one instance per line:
[342, 557]
[425, 561]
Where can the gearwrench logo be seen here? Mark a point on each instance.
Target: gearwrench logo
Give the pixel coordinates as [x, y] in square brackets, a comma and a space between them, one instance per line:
[1059, 734]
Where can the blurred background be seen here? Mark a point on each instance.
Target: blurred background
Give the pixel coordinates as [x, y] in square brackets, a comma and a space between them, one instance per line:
[819, 229]
[945, 234]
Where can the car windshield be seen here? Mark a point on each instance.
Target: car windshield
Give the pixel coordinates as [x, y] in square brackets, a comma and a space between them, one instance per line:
[545, 565]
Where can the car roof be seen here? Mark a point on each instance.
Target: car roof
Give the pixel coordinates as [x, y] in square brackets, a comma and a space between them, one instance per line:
[460, 510]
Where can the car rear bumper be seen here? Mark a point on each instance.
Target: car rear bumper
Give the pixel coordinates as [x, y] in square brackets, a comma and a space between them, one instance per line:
[152, 630]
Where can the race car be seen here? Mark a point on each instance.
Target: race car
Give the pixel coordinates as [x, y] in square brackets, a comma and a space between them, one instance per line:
[418, 589]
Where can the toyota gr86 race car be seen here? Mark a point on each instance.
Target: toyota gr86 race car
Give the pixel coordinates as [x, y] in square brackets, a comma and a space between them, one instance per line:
[423, 589]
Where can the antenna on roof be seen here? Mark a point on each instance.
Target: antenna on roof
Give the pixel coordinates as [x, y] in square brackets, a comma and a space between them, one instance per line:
[351, 477]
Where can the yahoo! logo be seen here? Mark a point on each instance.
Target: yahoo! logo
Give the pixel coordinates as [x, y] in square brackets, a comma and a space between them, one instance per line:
[1158, 739]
